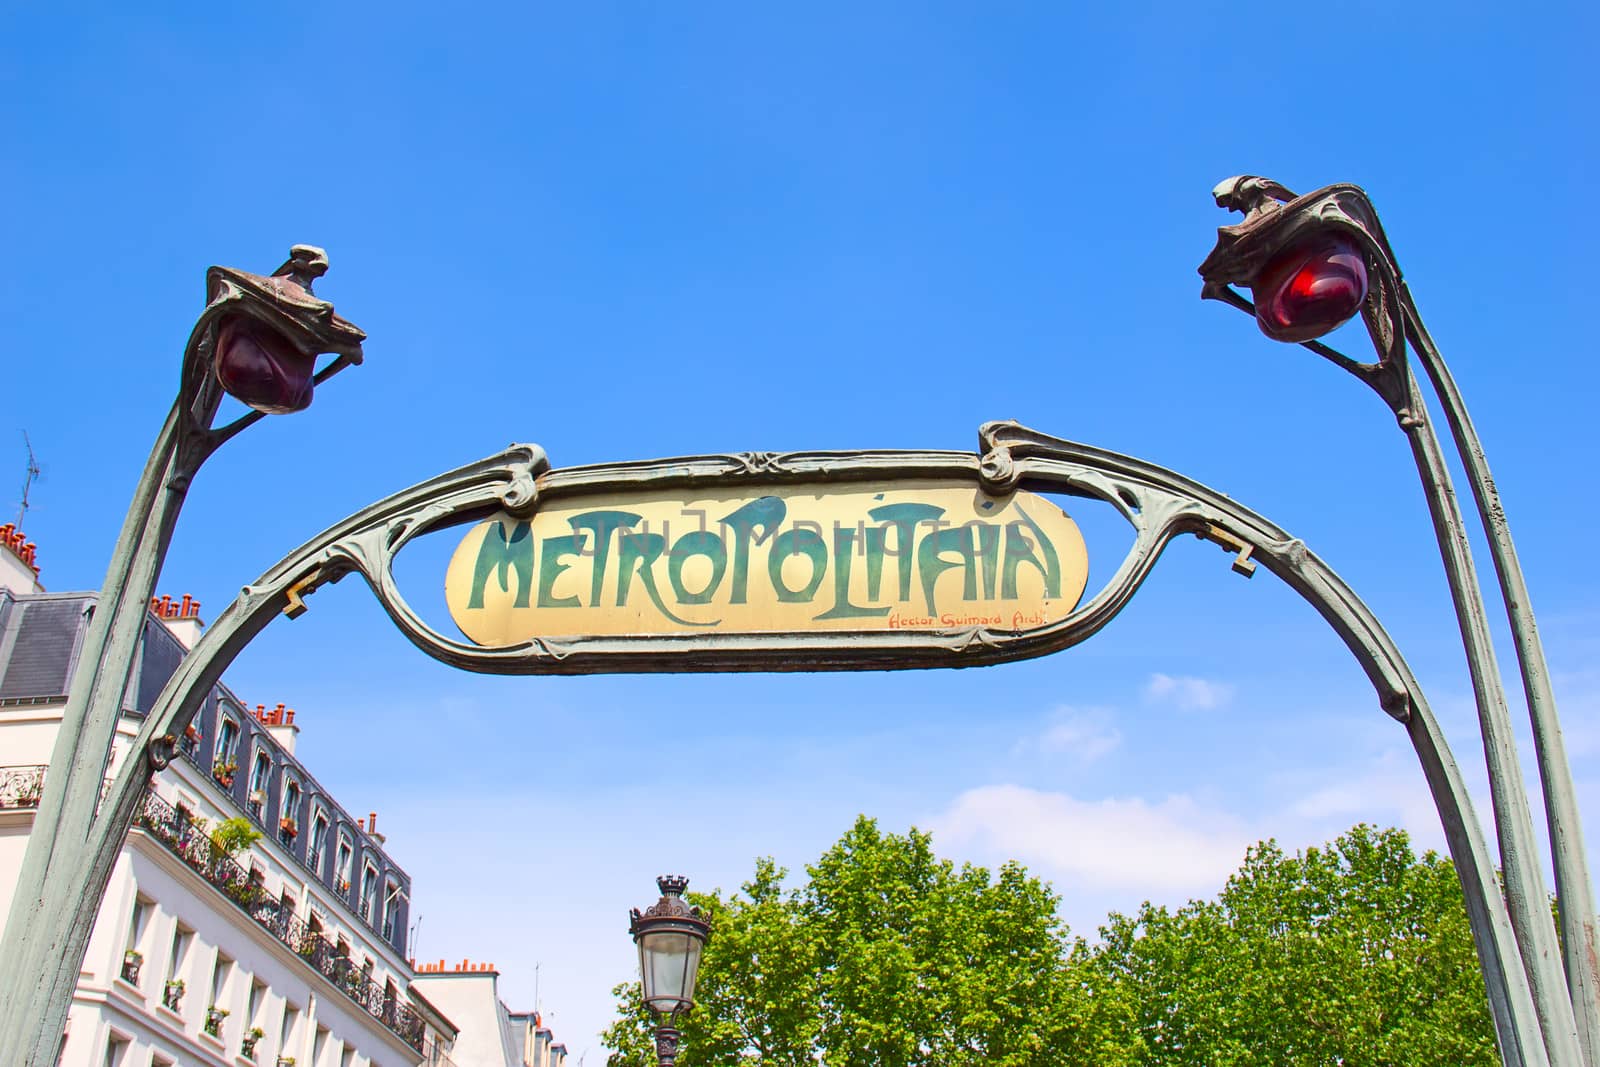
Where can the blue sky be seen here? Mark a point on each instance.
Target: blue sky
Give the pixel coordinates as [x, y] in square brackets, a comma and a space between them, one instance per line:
[624, 233]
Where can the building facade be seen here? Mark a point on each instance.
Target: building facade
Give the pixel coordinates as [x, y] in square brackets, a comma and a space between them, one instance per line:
[491, 1034]
[250, 918]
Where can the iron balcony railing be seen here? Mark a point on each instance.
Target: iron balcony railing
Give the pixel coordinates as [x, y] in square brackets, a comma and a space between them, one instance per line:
[191, 843]
[20, 787]
[313, 866]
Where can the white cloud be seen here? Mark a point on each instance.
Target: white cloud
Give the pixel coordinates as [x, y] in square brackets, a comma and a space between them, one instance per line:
[1393, 790]
[1186, 693]
[1174, 845]
[1087, 734]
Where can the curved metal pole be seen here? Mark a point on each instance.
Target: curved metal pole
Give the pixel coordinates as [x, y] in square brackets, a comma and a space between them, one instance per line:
[1525, 886]
[1518, 1024]
[36, 980]
[1169, 501]
[1275, 219]
[68, 911]
[1580, 940]
[82, 747]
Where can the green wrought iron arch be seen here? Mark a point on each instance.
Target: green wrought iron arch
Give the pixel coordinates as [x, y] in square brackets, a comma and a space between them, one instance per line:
[1160, 504]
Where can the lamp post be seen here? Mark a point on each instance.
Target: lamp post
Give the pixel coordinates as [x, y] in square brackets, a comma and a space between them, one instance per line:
[671, 935]
[258, 339]
[1312, 263]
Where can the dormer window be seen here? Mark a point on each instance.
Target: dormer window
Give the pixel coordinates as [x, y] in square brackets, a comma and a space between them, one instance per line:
[391, 909]
[289, 811]
[260, 771]
[224, 761]
[369, 892]
[318, 844]
[341, 865]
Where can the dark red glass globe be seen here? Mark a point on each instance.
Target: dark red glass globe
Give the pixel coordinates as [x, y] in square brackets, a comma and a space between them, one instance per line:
[1311, 288]
[260, 367]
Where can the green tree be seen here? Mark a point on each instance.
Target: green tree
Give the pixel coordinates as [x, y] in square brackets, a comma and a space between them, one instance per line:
[1356, 954]
[886, 956]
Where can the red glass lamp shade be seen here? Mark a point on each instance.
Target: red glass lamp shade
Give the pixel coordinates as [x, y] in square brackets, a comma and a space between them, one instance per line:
[1311, 288]
[260, 367]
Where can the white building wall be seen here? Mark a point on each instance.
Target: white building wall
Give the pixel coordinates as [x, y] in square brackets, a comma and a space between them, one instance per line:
[106, 1009]
[472, 1001]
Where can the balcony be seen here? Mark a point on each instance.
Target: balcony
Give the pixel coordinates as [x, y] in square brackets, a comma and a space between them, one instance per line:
[191, 844]
[339, 884]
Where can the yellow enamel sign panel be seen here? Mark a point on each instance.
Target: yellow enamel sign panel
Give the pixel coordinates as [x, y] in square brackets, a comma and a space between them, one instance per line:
[790, 559]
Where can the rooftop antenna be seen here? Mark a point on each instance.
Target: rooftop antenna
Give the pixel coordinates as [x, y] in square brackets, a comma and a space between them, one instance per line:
[27, 483]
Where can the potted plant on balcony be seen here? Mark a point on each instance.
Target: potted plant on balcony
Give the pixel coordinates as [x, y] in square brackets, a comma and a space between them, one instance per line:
[247, 1044]
[288, 828]
[223, 772]
[191, 733]
[132, 960]
[214, 1017]
[233, 836]
[172, 994]
[342, 886]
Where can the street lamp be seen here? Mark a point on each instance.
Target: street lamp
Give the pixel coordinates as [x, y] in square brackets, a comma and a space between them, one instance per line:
[1312, 263]
[258, 339]
[671, 935]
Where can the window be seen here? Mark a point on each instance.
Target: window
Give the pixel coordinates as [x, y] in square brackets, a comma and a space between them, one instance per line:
[252, 1007]
[319, 1045]
[227, 740]
[221, 971]
[341, 865]
[116, 1051]
[291, 1026]
[369, 892]
[391, 909]
[260, 770]
[319, 840]
[289, 811]
[177, 965]
[347, 1056]
[138, 926]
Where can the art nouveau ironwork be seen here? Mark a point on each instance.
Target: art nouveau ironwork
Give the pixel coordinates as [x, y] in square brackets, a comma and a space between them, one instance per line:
[77, 834]
[1313, 261]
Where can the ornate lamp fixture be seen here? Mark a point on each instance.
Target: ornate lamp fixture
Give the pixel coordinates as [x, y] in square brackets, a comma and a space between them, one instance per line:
[671, 935]
[269, 332]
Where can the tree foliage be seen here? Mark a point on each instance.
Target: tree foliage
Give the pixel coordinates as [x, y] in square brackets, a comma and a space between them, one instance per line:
[887, 956]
